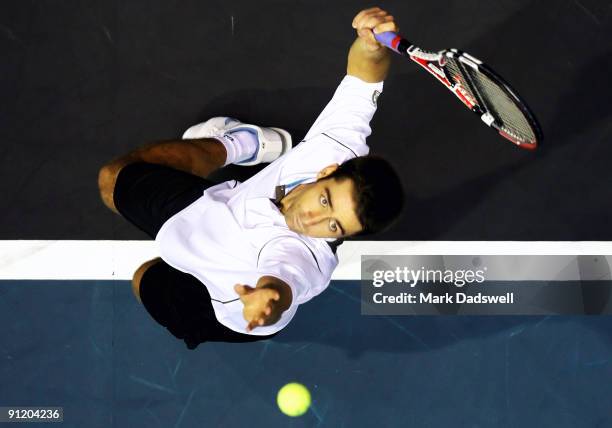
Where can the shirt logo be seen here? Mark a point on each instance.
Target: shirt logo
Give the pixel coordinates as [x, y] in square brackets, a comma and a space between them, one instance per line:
[375, 96]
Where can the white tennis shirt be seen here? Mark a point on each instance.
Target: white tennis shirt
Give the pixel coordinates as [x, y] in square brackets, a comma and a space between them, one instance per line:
[234, 234]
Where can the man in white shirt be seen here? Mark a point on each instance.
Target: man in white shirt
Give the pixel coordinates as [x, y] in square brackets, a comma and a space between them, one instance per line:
[277, 230]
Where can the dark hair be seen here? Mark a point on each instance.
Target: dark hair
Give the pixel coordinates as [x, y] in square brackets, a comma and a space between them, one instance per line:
[378, 191]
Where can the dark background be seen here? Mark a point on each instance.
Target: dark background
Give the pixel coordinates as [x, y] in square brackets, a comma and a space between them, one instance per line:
[84, 82]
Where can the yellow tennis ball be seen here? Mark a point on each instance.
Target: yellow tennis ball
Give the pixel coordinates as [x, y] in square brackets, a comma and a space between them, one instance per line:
[293, 399]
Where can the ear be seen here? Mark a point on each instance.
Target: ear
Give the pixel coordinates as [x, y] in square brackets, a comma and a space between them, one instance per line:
[327, 171]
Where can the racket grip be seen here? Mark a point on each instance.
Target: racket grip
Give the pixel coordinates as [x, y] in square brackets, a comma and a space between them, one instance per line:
[389, 39]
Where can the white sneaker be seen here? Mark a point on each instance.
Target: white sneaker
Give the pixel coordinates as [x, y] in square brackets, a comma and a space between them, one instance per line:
[273, 142]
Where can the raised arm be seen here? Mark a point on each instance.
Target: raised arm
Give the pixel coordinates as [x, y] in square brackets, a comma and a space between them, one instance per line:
[369, 60]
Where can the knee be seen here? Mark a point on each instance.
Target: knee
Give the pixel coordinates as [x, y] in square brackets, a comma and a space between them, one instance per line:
[107, 177]
[137, 278]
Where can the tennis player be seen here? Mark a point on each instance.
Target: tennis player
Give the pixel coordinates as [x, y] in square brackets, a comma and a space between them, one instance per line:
[237, 259]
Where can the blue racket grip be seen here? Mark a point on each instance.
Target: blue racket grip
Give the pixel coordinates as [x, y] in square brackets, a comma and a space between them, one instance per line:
[389, 39]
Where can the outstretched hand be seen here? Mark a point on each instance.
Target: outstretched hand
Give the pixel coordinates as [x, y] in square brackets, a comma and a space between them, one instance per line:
[260, 305]
[370, 21]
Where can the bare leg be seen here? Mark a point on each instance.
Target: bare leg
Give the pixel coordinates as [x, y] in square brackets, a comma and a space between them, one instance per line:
[199, 156]
[138, 276]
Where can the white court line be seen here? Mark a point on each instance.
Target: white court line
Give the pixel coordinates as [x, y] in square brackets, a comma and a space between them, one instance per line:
[105, 260]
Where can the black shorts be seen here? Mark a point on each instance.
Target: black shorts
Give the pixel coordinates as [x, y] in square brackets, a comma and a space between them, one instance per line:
[147, 195]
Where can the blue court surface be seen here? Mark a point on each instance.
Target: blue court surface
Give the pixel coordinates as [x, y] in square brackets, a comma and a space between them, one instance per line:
[89, 347]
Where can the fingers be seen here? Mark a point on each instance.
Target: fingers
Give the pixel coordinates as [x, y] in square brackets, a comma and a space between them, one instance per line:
[254, 324]
[370, 18]
[366, 12]
[243, 290]
[265, 292]
[373, 21]
[259, 305]
[260, 294]
[387, 26]
[264, 317]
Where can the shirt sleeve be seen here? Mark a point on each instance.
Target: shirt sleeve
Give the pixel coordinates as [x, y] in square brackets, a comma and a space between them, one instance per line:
[292, 261]
[346, 118]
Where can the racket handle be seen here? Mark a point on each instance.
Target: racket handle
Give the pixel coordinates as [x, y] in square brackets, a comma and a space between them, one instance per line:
[393, 41]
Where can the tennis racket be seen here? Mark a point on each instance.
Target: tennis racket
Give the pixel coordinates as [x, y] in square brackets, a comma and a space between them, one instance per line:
[477, 86]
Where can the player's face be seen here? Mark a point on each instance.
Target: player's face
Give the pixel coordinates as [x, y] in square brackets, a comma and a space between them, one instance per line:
[323, 209]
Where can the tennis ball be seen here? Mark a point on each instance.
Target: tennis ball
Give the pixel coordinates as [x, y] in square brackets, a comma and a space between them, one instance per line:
[293, 399]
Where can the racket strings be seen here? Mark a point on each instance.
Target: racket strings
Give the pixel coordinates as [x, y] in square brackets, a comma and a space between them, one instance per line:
[509, 116]
[513, 121]
[452, 68]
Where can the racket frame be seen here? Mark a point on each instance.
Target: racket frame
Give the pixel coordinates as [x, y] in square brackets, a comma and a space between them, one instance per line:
[434, 63]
